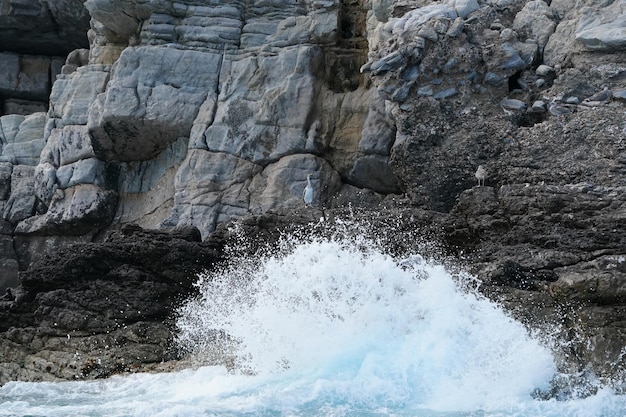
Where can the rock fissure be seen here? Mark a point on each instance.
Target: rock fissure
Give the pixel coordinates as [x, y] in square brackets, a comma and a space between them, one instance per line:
[181, 114]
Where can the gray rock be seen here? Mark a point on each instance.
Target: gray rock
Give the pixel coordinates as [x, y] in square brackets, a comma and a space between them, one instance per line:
[374, 173]
[284, 182]
[43, 28]
[69, 144]
[447, 93]
[6, 169]
[456, 28]
[23, 107]
[86, 171]
[620, 94]
[560, 43]
[535, 21]
[539, 106]
[25, 77]
[602, 28]
[22, 138]
[164, 100]
[464, 7]
[258, 103]
[73, 94]
[512, 104]
[45, 182]
[77, 210]
[21, 203]
[211, 187]
[544, 70]
[379, 132]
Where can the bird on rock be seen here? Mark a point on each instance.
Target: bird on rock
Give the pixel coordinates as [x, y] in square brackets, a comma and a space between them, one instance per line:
[599, 98]
[481, 174]
[307, 194]
[558, 110]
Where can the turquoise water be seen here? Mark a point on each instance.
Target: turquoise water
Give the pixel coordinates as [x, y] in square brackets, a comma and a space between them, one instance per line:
[333, 328]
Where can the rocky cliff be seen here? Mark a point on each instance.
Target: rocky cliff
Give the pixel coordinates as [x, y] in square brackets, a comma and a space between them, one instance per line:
[192, 113]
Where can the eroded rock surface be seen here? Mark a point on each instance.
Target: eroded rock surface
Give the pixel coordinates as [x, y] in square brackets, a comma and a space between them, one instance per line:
[105, 308]
[196, 113]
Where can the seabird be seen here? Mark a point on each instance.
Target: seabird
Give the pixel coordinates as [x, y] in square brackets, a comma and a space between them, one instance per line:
[557, 110]
[307, 194]
[481, 174]
[598, 98]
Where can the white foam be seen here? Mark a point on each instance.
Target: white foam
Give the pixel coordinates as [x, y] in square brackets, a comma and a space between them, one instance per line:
[365, 327]
[333, 328]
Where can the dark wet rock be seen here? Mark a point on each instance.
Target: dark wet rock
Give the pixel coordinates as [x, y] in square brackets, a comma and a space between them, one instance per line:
[95, 309]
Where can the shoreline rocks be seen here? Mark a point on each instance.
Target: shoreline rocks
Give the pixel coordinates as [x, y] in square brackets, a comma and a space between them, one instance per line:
[185, 115]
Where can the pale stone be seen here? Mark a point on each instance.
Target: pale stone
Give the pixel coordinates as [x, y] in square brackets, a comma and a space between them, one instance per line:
[560, 44]
[72, 94]
[535, 21]
[45, 181]
[211, 186]
[262, 113]
[464, 7]
[86, 171]
[152, 100]
[71, 143]
[24, 144]
[603, 28]
[281, 184]
[147, 188]
[379, 131]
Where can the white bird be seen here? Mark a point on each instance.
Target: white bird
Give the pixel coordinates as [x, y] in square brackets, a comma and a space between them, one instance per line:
[598, 98]
[307, 194]
[557, 110]
[481, 174]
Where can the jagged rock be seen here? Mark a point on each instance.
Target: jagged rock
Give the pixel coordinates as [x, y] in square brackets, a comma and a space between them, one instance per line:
[22, 138]
[190, 114]
[162, 102]
[79, 209]
[280, 185]
[535, 21]
[210, 187]
[602, 28]
[73, 94]
[257, 103]
[128, 284]
[21, 204]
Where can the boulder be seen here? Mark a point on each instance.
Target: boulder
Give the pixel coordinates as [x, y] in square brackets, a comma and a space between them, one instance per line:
[602, 28]
[152, 100]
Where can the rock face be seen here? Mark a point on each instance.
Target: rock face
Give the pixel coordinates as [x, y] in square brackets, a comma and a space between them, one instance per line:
[195, 113]
[105, 309]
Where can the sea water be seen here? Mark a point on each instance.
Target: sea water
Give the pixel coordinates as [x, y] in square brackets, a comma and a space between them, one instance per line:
[333, 327]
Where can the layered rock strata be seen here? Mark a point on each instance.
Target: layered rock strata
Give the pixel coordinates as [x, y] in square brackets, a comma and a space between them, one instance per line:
[198, 112]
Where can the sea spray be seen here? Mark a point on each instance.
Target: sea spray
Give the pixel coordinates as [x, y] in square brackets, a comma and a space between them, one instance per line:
[333, 326]
[363, 327]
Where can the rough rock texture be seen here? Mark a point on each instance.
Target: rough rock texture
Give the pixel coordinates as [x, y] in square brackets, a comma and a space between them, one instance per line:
[106, 308]
[35, 38]
[194, 113]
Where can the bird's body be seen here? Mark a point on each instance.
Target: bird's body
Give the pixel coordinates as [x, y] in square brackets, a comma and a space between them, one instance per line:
[307, 194]
[558, 110]
[481, 174]
[598, 98]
